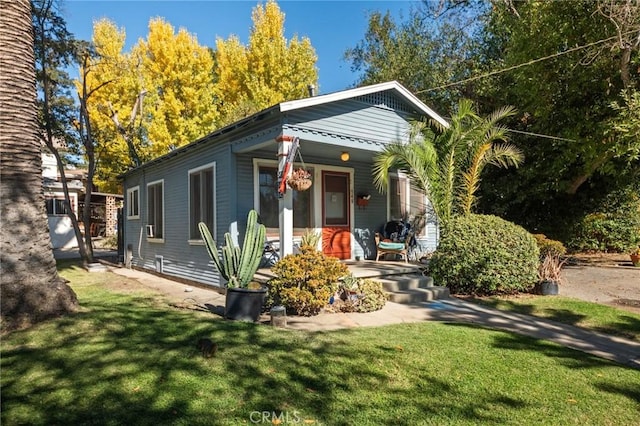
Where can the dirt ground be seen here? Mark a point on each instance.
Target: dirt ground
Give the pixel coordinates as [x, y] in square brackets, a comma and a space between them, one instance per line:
[609, 279]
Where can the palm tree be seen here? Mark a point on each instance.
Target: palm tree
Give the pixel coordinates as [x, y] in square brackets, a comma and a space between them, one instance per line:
[30, 287]
[446, 162]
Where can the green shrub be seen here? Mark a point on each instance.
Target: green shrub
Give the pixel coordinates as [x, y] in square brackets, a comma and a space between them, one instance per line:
[304, 282]
[360, 295]
[613, 226]
[548, 246]
[484, 255]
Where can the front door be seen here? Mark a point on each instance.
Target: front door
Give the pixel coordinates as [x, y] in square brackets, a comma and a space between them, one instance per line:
[336, 225]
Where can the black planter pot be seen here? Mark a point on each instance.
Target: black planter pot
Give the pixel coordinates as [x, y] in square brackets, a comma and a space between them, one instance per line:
[547, 288]
[243, 304]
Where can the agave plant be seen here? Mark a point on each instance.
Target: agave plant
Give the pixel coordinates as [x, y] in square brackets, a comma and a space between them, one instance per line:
[310, 238]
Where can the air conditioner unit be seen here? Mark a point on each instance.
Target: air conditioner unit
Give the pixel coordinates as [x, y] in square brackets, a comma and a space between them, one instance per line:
[149, 231]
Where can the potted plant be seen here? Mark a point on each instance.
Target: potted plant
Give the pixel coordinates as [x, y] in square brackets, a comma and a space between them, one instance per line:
[550, 274]
[635, 257]
[300, 180]
[244, 297]
[363, 200]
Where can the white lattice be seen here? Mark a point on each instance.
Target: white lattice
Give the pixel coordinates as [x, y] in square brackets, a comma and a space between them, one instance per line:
[385, 100]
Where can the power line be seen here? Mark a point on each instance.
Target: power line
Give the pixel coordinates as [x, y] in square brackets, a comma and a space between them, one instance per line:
[542, 136]
[533, 61]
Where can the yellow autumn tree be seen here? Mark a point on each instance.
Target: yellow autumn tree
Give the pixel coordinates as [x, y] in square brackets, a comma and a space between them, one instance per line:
[157, 97]
[181, 95]
[268, 70]
[110, 76]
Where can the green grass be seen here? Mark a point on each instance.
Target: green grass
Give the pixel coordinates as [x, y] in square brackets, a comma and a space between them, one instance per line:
[129, 358]
[592, 316]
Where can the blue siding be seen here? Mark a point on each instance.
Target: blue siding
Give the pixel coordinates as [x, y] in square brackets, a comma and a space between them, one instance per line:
[353, 119]
[180, 258]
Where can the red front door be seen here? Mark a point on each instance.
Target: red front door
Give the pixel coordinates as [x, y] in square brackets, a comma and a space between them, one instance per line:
[336, 213]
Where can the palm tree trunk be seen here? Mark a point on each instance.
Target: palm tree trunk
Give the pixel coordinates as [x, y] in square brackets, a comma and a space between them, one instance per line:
[30, 287]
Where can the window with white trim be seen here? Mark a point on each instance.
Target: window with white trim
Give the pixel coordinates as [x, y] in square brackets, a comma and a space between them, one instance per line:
[56, 206]
[202, 194]
[268, 200]
[133, 203]
[407, 203]
[155, 210]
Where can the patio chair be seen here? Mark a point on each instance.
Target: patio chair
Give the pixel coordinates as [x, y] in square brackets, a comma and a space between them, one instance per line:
[395, 239]
[269, 255]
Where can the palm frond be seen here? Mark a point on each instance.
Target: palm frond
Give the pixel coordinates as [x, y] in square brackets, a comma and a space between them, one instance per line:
[471, 178]
[505, 155]
[417, 160]
[500, 114]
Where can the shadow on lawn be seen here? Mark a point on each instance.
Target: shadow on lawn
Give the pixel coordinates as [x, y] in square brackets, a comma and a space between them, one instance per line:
[626, 326]
[332, 381]
[564, 316]
[125, 361]
[129, 360]
[107, 364]
[568, 357]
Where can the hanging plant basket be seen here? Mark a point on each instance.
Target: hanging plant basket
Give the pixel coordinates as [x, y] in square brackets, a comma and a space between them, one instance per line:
[300, 180]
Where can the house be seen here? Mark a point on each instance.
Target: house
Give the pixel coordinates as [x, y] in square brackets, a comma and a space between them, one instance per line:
[220, 177]
[104, 207]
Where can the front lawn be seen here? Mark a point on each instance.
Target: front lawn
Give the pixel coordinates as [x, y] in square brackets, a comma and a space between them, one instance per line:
[129, 358]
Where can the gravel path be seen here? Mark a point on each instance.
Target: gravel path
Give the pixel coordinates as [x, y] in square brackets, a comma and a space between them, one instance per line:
[607, 280]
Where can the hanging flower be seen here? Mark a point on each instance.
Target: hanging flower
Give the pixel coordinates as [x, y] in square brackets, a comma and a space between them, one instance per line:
[298, 174]
[300, 180]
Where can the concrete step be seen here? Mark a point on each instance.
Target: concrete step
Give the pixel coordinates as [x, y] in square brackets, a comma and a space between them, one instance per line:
[412, 288]
[404, 282]
[417, 295]
[96, 267]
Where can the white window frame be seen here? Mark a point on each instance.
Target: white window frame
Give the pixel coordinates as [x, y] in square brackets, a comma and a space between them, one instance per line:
[314, 212]
[199, 241]
[132, 193]
[60, 197]
[407, 203]
[155, 239]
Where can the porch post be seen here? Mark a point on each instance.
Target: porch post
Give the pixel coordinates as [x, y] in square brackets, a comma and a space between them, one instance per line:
[285, 203]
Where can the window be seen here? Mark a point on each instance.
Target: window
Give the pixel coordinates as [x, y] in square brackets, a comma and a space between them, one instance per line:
[56, 207]
[397, 198]
[133, 203]
[201, 200]
[268, 186]
[155, 210]
[407, 203]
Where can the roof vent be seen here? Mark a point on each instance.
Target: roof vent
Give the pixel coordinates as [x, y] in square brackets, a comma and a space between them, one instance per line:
[312, 90]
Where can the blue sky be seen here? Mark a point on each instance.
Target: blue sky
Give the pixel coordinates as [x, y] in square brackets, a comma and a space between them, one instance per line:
[332, 26]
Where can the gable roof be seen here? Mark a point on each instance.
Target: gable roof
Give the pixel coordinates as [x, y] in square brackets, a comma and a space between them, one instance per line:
[361, 91]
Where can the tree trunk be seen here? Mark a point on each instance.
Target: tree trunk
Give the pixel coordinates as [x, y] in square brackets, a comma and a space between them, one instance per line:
[577, 181]
[82, 248]
[47, 135]
[30, 287]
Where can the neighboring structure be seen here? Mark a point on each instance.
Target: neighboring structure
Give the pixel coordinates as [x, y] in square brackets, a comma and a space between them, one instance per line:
[220, 177]
[104, 207]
